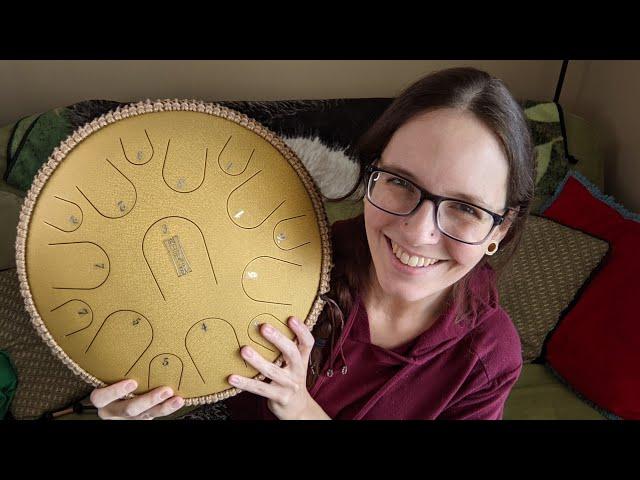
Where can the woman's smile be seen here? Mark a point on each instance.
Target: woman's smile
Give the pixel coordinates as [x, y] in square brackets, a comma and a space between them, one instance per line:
[412, 264]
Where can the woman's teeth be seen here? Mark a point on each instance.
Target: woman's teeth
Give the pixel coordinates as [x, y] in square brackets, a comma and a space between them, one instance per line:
[411, 260]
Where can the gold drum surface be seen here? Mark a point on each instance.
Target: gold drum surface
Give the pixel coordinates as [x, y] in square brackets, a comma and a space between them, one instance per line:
[158, 238]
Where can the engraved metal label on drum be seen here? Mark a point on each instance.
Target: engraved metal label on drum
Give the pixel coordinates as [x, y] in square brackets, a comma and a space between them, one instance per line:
[176, 252]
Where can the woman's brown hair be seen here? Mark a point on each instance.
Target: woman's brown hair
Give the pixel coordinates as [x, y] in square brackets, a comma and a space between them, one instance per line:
[466, 89]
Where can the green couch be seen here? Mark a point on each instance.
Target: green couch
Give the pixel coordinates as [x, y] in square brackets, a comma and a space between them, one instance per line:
[539, 395]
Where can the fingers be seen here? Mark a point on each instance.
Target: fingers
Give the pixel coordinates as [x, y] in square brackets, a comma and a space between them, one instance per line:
[268, 390]
[266, 368]
[295, 356]
[134, 407]
[305, 338]
[102, 397]
[289, 349]
[162, 410]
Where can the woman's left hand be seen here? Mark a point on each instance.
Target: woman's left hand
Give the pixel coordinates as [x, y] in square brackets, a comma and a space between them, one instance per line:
[287, 394]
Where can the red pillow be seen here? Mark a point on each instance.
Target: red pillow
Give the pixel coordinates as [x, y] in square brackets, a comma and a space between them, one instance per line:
[596, 345]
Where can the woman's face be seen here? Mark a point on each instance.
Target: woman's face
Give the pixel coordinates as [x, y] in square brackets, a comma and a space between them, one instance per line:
[449, 153]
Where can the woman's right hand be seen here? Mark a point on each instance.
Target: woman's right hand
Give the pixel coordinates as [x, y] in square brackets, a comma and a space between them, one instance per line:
[156, 403]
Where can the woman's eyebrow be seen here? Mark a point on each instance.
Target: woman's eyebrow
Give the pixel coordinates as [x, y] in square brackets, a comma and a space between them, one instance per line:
[469, 198]
[401, 171]
[457, 195]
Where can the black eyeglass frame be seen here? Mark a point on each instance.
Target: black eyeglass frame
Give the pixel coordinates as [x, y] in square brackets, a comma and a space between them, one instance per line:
[436, 199]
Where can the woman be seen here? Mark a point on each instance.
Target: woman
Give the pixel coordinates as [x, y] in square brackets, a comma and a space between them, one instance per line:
[449, 175]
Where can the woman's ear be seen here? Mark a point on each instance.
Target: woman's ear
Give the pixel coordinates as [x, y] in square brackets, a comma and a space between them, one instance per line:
[500, 232]
[503, 228]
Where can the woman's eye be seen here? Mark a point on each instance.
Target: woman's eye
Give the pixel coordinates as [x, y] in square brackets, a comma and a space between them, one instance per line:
[400, 183]
[467, 209]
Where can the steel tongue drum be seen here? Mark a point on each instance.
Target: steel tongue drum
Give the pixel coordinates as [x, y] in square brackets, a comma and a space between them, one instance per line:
[156, 240]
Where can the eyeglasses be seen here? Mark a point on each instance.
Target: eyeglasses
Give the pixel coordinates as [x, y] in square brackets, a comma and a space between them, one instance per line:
[461, 221]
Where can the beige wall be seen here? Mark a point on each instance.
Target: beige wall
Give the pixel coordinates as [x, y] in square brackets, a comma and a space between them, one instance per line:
[28, 87]
[607, 94]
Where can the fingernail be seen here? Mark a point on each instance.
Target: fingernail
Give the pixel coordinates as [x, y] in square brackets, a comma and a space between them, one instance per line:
[131, 386]
[177, 403]
[247, 352]
[233, 380]
[294, 322]
[165, 394]
[268, 330]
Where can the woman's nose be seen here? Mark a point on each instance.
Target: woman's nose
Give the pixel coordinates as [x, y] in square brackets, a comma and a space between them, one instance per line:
[420, 227]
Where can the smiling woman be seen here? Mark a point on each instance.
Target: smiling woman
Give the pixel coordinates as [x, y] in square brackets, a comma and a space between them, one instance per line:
[448, 175]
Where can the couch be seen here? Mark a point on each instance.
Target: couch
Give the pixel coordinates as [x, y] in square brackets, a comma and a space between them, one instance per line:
[317, 130]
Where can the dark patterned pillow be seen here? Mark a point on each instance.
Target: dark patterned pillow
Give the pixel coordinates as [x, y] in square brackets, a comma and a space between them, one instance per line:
[44, 382]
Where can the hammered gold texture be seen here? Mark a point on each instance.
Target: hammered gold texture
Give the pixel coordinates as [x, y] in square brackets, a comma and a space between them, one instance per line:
[159, 239]
[551, 264]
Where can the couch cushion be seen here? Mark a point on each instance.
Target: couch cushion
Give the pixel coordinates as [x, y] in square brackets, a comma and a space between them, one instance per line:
[539, 395]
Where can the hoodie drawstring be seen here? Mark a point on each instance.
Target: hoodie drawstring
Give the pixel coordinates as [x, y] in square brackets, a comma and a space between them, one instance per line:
[340, 316]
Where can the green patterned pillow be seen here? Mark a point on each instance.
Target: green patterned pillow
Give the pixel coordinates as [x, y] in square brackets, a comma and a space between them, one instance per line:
[562, 142]
[552, 161]
[28, 144]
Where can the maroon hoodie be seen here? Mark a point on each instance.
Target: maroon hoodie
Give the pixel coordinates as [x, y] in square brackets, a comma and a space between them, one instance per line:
[453, 370]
